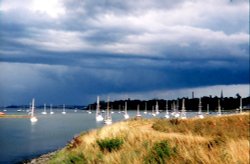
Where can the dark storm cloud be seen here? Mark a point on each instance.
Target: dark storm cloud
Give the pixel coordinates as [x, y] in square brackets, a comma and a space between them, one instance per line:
[77, 49]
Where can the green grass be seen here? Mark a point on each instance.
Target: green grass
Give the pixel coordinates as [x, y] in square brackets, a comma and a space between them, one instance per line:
[110, 144]
[160, 153]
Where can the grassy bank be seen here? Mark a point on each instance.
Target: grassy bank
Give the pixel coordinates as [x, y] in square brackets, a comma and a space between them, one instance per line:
[222, 139]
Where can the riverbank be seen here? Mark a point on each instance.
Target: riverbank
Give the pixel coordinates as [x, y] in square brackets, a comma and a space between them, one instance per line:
[213, 139]
[42, 159]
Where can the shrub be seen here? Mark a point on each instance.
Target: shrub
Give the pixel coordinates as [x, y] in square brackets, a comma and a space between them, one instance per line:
[160, 152]
[110, 144]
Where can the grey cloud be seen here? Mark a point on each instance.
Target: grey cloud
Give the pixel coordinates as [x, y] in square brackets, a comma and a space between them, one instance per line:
[122, 46]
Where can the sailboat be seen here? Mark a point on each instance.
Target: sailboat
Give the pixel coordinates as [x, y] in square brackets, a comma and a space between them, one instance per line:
[240, 105]
[157, 108]
[183, 110]
[126, 116]
[119, 109]
[219, 108]
[153, 111]
[177, 113]
[51, 111]
[112, 111]
[98, 115]
[63, 112]
[200, 115]
[44, 109]
[108, 118]
[89, 111]
[207, 109]
[29, 110]
[138, 111]
[167, 113]
[33, 117]
[172, 109]
[145, 111]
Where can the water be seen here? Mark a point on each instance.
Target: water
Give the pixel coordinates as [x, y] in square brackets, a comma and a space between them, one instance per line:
[20, 140]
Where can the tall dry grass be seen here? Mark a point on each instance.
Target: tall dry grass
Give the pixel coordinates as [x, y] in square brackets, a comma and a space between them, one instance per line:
[211, 140]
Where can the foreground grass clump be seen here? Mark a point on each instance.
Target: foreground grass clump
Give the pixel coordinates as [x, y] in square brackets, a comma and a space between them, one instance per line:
[210, 140]
[110, 144]
[75, 158]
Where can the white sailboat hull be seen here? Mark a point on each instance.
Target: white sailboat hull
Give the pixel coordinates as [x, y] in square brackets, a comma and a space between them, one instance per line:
[99, 118]
[126, 116]
[166, 116]
[200, 116]
[33, 119]
[177, 115]
[183, 116]
[108, 121]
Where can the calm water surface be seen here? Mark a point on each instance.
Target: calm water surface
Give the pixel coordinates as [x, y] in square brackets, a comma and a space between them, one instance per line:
[20, 140]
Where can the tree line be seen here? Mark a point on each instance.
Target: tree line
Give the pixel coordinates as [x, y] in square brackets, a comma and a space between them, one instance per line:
[226, 103]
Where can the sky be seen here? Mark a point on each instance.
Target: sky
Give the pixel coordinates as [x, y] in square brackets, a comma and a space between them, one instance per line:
[70, 51]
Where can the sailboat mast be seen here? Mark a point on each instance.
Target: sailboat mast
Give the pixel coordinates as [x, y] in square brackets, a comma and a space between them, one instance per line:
[97, 105]
[183, 106]
[157, 107]
[174, 107]
[200, 107]
[108, 108]
[125, 110]
[44, 109]
[177, 105]
[219, 107]
[166, 106]
[240, 105]
[32, 107]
